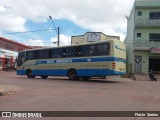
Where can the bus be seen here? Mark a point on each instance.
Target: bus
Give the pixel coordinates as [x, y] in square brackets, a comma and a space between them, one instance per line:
[96, 59]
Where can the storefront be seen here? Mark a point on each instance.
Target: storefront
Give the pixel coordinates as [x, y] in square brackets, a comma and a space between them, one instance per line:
[146, 60]
[154, 60]
[7, 60]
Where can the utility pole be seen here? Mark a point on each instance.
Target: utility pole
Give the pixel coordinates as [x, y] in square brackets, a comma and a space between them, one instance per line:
[58, 36]
[56, 29]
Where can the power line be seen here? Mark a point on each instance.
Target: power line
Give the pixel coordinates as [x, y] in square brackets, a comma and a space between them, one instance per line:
[29, 31]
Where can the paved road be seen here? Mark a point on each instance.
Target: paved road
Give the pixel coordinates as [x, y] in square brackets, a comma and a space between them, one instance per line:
[61, 94]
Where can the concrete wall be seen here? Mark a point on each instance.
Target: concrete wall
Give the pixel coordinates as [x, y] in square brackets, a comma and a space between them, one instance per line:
[145, 12]
[132, 40]
[147, 4]
[145, 33]
[129, 42]
[77, 40]
[84, 38]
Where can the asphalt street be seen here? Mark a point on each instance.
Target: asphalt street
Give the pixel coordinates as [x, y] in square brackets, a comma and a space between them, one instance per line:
[61, 94]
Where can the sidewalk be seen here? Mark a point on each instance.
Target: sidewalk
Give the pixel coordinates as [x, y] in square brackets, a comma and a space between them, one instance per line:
[144, 77]
[8, 89]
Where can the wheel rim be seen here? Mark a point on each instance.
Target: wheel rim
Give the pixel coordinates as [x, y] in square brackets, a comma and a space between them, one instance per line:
[29, 74]
[72, 74]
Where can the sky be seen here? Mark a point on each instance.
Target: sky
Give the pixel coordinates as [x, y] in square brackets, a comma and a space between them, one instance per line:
[28, 22]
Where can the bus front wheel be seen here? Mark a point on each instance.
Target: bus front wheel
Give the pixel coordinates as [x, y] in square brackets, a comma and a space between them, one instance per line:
[29, 74]
[72, 74]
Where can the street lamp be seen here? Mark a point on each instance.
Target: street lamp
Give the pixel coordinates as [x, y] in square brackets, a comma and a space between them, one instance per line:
[56, 29]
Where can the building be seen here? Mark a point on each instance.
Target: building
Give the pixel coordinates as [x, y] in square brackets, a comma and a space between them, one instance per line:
[7, 59]
[143, 37]
[92, 37]
[12, 45]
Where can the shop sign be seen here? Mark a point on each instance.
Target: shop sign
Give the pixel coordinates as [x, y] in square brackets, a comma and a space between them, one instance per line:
[93, 37]
[155, 50]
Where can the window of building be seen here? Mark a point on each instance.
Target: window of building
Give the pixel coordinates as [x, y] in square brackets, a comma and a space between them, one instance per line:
[155, 37]
[139, 13]
[139, 35]
[154, 15]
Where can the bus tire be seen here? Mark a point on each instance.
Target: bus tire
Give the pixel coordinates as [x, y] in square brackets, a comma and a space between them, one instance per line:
[29, 74]
[72, 74]
[44, 77]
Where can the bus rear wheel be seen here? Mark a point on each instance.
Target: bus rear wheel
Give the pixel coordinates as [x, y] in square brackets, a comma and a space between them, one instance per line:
[44, 77]
[29, 74]
[72, 74]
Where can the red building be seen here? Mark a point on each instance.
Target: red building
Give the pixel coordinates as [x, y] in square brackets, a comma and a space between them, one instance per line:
[7, 59]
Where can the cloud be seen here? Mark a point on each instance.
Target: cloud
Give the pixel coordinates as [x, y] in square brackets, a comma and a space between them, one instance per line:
[32, 42]
[12, 23]
[64, 40]
[97, 15]
[1, 33]
[2, 9]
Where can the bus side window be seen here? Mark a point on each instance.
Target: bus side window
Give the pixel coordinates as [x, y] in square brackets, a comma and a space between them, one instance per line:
[92, 50]
[106, 49]
[30, 55]
[53, 53]
[57, 53]
[78, 51]
[50, 53]
[43, 54]
[70, 52]
[60, 53]
[85, 50]
[99, 49]
[64, 52]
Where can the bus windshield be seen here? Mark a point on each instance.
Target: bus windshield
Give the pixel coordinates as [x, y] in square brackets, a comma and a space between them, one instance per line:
[21, 58]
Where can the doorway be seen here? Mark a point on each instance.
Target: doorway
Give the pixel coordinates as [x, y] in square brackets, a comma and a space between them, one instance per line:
[137, 64]
[154, 64]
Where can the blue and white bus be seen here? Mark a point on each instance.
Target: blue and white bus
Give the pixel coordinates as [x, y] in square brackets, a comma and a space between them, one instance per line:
[95, 59]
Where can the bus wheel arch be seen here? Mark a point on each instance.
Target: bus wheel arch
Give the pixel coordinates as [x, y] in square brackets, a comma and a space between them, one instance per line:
[29, 73]
[72, 74]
